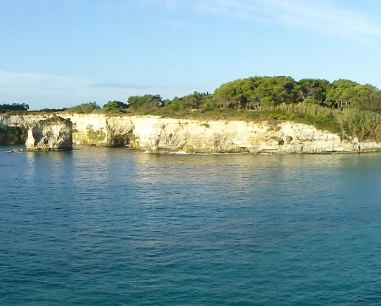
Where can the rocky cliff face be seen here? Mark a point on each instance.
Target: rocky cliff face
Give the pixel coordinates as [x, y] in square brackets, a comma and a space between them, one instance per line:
[155, 134]
[12, 135]
[53, 134]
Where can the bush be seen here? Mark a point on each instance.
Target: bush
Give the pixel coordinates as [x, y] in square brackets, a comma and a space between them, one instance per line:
[85, 108]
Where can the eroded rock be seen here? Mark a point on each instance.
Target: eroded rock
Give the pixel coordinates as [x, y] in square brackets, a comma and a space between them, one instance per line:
[158, 134]
[52, 134]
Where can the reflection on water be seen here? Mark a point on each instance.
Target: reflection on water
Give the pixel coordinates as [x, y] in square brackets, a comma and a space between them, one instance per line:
[92, 173]
[31, 165]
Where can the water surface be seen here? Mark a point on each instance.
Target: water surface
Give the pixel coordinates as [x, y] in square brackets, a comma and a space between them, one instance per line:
[115, 227]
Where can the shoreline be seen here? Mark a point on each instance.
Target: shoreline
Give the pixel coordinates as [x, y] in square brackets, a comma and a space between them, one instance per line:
[168, 135]
[18, 148]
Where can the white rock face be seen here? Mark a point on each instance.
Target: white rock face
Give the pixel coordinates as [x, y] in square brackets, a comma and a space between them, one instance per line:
[155, 134]
[53, 134]
[193, 136]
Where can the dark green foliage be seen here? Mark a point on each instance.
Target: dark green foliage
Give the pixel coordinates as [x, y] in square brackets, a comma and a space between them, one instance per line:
[14, 107]
[54, 119]
[12, 135]
[252, 93]
[145, 104]
[85, 108]
[112, 107]
[192, 102]
[50, 110]
[312, 89]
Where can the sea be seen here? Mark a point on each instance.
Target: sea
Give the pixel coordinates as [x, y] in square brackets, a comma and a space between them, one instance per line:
[107, 226]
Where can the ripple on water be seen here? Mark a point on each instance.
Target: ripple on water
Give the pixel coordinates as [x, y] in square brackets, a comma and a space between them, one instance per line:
[115, 227]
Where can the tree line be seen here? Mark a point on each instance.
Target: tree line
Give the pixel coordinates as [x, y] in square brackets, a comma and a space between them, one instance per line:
[250, 94]
[14, 107]
[254, 93]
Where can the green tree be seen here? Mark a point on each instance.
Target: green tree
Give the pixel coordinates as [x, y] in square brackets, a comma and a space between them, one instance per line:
[312, 89]
[115, 107]
[84, 108]
[145, 103]
[4, 108]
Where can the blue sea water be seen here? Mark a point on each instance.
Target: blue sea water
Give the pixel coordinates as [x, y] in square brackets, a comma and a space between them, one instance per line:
[116, 227]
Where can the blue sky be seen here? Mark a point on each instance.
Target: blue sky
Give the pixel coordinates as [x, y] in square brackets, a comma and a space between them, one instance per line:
[56, 53]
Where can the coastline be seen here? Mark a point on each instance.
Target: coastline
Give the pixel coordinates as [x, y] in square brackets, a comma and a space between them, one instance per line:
[161, 135]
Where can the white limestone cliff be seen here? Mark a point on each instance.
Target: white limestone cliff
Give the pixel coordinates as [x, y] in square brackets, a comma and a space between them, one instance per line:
[53, 134]
[156, 134]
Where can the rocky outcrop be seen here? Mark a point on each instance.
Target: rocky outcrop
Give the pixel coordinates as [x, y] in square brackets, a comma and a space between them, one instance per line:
[53, 134]
[156, 134]
[193, 136]
[12, 135]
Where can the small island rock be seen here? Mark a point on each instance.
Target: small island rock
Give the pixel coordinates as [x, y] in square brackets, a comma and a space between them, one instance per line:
[52, 134]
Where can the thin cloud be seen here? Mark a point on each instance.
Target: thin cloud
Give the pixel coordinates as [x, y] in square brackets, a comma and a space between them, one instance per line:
[137, 87]
[322, 17]
[119, 86]
[17, 79]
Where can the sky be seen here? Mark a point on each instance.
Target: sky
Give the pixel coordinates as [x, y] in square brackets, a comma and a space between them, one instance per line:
[61, 53]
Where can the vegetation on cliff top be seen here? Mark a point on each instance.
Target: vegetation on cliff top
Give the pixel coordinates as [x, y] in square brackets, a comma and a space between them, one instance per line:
[11, 135]
[54, 120]
[14, 108]
[343, 106]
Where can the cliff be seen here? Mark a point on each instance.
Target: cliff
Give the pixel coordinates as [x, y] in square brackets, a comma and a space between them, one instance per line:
[52, 134]
[12, 135]
[155, 134]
